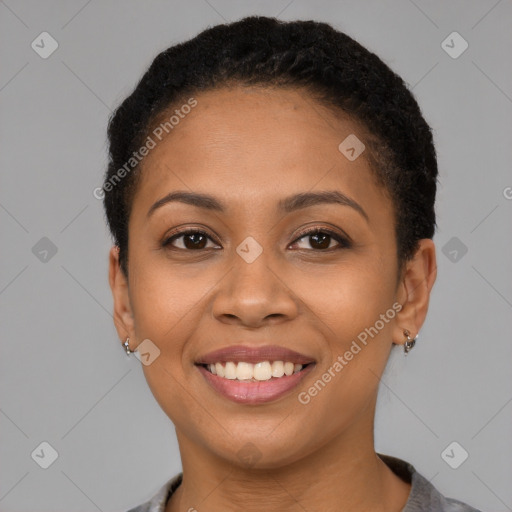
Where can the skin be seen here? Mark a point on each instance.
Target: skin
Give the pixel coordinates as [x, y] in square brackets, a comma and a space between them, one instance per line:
[250, 148]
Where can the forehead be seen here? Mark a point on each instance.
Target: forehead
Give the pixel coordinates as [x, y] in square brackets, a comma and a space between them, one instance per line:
[256, 144]
[245, 117]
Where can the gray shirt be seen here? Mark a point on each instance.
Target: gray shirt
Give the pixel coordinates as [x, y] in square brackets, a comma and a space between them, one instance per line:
[424, 497]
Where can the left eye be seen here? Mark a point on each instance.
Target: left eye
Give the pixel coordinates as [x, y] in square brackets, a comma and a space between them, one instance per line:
[321, 239]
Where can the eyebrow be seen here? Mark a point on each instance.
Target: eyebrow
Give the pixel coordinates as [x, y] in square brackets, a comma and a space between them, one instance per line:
[287, 205]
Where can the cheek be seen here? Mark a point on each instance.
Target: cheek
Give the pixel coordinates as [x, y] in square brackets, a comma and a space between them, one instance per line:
[168, 303]
[348, 297]
[359, 311]
[359, 343]
[353, 305]
[167, 298]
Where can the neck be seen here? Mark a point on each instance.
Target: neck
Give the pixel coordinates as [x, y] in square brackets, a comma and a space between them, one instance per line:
[344, 474]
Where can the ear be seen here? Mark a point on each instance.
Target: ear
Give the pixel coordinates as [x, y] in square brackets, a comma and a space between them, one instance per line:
[413, 291]
[123, 315]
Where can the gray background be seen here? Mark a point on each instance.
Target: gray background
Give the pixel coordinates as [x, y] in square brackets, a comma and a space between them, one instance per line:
[64, 377]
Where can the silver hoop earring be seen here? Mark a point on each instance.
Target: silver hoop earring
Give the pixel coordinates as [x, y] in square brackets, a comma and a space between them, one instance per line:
[126, 345]
[409, 342]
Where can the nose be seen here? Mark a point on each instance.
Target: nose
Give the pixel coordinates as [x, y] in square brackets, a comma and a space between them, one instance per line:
[254, 294]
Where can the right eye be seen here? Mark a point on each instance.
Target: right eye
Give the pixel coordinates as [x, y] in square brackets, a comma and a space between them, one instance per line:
[193, 239]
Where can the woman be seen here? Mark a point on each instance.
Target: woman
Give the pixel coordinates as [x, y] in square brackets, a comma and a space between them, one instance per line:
[271, 192]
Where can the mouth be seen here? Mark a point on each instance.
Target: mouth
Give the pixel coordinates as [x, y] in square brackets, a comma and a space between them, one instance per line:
[248, 372]
[254, 376]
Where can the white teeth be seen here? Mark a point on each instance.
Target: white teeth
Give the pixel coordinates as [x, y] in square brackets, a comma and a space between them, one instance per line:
[230, 370]
[244, 371]
[256, 372]
[277, 369]
[219, 369]
[288, 368]
[262, 371]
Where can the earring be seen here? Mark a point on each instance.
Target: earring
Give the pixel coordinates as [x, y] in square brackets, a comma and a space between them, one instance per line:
[126, 345]
[409, 342]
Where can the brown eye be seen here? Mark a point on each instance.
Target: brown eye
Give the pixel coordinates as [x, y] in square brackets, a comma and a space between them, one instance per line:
[192, 240]
[321, 239]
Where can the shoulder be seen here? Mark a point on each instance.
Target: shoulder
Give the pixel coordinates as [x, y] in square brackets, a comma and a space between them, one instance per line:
[424, 497]
[159, 500]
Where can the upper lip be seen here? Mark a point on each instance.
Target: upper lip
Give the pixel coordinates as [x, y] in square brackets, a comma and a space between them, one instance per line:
[237, 353]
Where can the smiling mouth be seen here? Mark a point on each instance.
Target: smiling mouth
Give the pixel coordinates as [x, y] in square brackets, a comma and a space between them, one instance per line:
[258, 372]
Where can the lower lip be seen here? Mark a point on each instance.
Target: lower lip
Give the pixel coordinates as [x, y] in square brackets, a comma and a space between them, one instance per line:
[248, 392]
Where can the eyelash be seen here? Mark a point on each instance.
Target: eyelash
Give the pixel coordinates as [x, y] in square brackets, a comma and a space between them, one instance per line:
[344, 242]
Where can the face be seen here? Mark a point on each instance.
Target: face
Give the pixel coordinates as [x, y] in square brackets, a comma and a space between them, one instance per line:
[274, 263]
